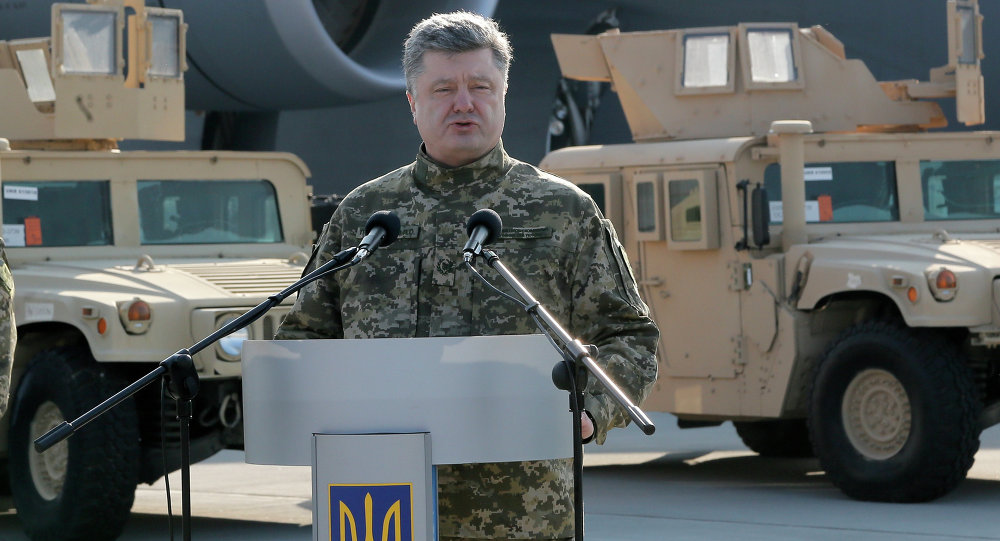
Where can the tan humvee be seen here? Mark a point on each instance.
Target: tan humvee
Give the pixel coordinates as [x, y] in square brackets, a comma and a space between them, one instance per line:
[122, 258]
[821, 266]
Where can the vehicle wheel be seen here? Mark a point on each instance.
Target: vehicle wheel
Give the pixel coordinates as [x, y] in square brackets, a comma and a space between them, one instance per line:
[786, 438]
[894, 414]
[83, 487]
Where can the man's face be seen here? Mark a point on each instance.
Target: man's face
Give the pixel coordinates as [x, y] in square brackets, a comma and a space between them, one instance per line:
[458, 105]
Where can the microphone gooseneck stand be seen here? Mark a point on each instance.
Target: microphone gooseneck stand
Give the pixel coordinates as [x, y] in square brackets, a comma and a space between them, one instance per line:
[182, 377]
[569, 374]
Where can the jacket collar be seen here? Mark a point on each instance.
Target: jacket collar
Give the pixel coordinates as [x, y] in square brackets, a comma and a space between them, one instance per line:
[479, 176]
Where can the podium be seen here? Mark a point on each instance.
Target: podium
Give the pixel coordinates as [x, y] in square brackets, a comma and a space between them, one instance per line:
[373, 418]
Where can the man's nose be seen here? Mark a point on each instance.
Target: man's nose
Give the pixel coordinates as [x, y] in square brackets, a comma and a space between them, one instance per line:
[463, 101]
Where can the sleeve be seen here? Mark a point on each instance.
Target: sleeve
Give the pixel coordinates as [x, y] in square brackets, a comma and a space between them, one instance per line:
[316, 312]
[608, 313]
[8, 331]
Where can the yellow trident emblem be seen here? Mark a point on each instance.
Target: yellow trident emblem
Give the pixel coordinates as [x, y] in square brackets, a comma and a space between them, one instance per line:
[391, 516]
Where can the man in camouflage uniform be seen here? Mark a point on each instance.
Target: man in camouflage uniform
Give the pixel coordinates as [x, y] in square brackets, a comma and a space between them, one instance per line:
[554, 238]
[8, 332]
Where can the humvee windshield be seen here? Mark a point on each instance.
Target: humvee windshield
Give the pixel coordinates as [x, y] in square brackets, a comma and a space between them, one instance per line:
[208, 212]
[841, 192]
[45, 214]
[961, 190]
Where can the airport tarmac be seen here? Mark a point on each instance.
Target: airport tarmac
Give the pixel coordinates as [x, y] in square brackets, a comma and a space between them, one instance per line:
[675, 485]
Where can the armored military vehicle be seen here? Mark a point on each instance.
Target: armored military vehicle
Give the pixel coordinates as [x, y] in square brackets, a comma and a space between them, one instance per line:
[122, 258]
[824, 268]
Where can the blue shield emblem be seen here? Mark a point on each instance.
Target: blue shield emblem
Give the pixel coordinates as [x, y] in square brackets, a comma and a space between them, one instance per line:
[371, 512]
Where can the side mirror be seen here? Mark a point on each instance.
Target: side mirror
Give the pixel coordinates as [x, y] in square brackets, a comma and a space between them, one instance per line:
[761, 216]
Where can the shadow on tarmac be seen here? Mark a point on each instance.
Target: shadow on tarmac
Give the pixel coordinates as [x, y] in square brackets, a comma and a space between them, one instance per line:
[705, 470]
[140, 527]
[147, 527]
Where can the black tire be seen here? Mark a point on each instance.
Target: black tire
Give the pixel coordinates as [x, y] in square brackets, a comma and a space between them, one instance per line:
[783, 438]
[82, 488]
[911, 409]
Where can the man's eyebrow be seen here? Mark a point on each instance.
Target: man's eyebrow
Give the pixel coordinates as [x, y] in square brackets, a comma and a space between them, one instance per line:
[451, 80]
[442, 81]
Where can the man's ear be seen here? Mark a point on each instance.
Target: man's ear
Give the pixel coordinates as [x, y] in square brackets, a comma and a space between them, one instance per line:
[413, 104]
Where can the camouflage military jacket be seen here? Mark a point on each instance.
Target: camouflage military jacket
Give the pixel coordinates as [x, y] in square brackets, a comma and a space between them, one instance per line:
[558, 244]
[8, 332]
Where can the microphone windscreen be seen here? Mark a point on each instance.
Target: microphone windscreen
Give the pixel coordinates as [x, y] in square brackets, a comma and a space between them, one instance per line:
[387, 221]
[488, 218]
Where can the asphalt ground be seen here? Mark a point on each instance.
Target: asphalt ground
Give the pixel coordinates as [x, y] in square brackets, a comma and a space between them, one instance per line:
[675, 485]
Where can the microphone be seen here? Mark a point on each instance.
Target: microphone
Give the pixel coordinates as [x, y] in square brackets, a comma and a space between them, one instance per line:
[483, 228]
[382, 229]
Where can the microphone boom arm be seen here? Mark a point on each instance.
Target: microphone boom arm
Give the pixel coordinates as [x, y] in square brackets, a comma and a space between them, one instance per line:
[577, 350]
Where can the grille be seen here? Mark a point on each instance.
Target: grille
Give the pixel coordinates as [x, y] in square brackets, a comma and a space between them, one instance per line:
[248, 280]
[263, 328]
[991, 244]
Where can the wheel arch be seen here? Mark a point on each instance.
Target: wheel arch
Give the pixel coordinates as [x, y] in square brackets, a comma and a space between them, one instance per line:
[867, 304]
[830, 316]
[35, 337]
[836, 312]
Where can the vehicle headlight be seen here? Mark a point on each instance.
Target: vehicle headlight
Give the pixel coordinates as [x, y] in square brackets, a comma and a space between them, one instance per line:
[136, 315]
[230, 347]
[943, 284]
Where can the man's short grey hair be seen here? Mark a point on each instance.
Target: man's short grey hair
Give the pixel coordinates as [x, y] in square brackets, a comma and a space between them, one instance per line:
[456, 32]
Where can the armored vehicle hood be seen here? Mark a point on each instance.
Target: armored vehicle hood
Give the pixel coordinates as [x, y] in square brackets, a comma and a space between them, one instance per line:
[228, 282]
[896, 264]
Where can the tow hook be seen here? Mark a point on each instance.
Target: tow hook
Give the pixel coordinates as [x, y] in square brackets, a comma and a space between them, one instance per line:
[230, 411]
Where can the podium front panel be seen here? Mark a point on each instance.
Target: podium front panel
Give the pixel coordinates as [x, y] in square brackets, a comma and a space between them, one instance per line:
[483, 399]
[363, 483]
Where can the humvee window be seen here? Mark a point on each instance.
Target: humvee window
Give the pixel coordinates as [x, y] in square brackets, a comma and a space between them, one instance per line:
[646, 200]
[961, 190]
[36, 75]
[771, 59]
[685, 210]
[215, 212]
[968, 19]
[841, 192]
[706, 60]
[46, 214]
[165, 61]
[89, 44]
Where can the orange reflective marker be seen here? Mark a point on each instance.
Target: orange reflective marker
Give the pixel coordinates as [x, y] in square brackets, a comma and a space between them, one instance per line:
[33, 231]
[825, 208]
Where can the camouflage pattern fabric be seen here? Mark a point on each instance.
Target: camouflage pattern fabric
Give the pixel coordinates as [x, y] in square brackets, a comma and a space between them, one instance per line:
[558, 244]
[8, 332]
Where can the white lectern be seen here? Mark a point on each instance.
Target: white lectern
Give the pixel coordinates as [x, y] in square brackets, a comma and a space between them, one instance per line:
[372, 418]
